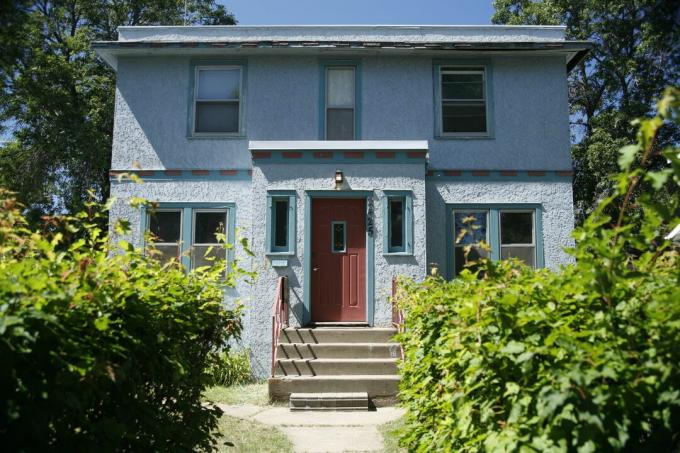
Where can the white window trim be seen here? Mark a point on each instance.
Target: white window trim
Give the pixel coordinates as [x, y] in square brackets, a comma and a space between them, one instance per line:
[207, 244]
[195, 100]
[532, 245]
[354, 97]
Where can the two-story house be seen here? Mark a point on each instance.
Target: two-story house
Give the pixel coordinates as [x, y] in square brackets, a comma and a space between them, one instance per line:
[347, 155]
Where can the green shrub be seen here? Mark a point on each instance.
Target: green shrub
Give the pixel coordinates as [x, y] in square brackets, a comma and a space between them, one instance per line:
[508, 358]
[231, 368]
[102, 347]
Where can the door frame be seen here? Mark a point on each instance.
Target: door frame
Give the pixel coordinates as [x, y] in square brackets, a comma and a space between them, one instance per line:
[370, 249]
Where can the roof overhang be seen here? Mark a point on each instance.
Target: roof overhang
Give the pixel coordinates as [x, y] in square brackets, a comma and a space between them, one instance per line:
[443, 41]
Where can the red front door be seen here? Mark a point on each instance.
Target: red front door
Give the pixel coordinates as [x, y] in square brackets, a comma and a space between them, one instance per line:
[338, 260]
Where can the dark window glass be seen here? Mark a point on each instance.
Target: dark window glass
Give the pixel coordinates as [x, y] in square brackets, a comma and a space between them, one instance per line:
[517, 228]
[340, 124]
[207, 225]
[463, 116]
[474, 255]
[217, 117]
[165, 226]
[462, 86]
[470, 228]
[339, 236]
[463, 100]
[281, 223]
[396, 224]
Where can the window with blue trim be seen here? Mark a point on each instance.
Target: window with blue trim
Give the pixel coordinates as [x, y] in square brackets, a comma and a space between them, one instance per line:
[398, 224]
[340, 102]
[281, 223]
[217, 100]
[462, 92]
[496, 232]
[192, 236]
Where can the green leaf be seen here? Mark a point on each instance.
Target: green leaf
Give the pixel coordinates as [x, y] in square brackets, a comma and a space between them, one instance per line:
[627, 156]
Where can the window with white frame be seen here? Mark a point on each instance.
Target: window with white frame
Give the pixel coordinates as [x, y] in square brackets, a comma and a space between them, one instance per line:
[463, 100]
[340, 99]
[165, 228]
[209, 235]
[518, 238]
[217, 99]
[470, 230]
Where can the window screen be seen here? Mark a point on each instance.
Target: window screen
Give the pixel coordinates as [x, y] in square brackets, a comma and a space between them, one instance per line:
[280, 223]
[206, 247]
[217, 100]
[166, 231]
[463, 100]
[517, 236]
[396, 225]
[340, 95]
[470, 229]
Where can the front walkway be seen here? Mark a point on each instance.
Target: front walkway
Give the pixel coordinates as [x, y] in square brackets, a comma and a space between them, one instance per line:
[316, 431]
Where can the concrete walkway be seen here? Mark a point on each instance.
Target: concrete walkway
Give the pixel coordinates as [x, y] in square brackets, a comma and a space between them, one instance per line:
[322, 431]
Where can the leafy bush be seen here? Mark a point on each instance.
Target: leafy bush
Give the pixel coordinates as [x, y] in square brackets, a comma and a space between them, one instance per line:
[102, 346]
[508, 358]
[231, 368]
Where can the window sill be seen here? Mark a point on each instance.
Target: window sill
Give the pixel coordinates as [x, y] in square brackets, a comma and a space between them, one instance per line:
[464, 137]
[216, 136]
[275, 254]
[398, 254]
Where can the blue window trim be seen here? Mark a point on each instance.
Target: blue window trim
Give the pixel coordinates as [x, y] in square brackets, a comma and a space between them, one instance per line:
[307, 263]
[187, 226]
[242, 100]
[273, 195]
[323, 65]
[407, 197]
[488, 91]
[493, 229]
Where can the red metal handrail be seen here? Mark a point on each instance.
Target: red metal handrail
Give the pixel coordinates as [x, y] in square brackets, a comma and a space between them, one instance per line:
[279, 316]
[397, 313]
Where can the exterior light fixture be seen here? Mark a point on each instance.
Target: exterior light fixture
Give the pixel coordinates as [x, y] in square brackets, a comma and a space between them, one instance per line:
[339, 177]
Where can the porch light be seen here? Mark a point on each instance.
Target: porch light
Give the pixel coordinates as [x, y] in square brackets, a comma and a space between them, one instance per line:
[338, 177]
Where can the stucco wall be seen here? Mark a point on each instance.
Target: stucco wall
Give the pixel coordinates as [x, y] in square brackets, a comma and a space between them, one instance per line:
[281, 102]
[555, 198]
[302, 178]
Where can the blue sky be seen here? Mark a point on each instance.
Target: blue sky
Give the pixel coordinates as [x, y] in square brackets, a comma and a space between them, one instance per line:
[442, 12]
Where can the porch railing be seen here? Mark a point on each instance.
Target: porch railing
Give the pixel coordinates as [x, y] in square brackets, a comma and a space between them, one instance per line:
[279, 316]
[397, 313]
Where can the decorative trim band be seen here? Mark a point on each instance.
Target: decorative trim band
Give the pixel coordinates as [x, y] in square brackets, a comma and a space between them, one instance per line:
[500, 175]
[184, 175]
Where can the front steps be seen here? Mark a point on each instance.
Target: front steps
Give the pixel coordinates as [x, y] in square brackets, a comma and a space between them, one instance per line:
[330, 366]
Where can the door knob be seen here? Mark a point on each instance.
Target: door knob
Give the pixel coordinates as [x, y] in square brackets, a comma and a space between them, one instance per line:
[315, 269]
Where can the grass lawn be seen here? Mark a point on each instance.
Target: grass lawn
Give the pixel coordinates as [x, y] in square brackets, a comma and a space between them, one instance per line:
[238, 435]
[243, 436]
[256, 393]
[390, 435]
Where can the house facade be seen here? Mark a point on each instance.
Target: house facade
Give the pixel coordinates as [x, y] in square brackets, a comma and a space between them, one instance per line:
[346, 155]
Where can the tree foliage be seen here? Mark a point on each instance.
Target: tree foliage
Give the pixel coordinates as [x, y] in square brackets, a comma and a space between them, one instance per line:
[101, 345]
[636, 55]
[509, 358]
[57, 97]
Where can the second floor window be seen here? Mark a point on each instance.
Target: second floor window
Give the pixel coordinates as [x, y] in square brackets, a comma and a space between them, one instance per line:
[217, 100]
[340, 98]
[463, 100]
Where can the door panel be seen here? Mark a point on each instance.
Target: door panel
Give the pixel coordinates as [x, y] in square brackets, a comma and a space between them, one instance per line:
[338, 273]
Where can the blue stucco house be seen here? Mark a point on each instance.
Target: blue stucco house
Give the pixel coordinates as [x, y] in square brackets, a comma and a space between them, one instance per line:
[347, 155]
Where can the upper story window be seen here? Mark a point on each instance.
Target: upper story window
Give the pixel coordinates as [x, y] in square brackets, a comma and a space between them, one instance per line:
[217, 100]
[463, 101]
[340, 102]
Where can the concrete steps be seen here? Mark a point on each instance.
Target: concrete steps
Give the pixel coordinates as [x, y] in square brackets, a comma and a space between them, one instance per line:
[334, 367]
[330, 366]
